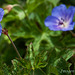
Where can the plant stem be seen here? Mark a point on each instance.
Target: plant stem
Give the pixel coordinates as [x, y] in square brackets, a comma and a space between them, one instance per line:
[42, 71]
[14, 46]
[73, 34]
[20, 7]
[33, 72]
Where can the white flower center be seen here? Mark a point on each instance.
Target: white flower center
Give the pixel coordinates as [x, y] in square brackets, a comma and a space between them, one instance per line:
[63, 24]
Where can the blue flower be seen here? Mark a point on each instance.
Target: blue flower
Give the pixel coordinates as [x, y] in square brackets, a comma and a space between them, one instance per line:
[1, 16]
[61, 18]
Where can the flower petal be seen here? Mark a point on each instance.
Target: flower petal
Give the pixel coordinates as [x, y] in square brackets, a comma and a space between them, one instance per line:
[69, 14]
[54, 28]
[59, 11]
[51, 20]
[72, 8]
[1, 14]
[0, 29]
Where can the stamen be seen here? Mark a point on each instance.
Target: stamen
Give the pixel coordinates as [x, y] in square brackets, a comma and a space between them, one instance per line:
[61, 22]
[62, 19]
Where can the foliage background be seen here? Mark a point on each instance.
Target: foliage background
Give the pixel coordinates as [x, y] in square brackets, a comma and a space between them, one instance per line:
[44, 52]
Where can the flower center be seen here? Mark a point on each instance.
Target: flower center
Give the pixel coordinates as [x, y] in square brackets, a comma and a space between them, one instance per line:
[62, 23]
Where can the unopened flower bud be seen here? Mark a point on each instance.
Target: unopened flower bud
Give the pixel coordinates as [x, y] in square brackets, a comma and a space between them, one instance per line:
[9, 7]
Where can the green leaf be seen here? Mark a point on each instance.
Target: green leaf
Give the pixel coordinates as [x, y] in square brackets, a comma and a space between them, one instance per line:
[52, 70]
[15, 62]
[37, 72]
[10, 18]
[54, 2]
[68, 54]
[5, 69]
[31, 55]
[33, 5]
[63, 67]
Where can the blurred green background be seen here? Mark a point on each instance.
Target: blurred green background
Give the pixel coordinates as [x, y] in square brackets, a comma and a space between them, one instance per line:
[44, 52]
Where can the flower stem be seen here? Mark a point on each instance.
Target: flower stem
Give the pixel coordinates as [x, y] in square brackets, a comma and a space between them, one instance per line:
[14, 46]
[73, 34]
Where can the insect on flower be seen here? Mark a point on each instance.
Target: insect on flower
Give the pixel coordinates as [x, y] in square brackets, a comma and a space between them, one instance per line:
[1, 16]
[61, 18]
